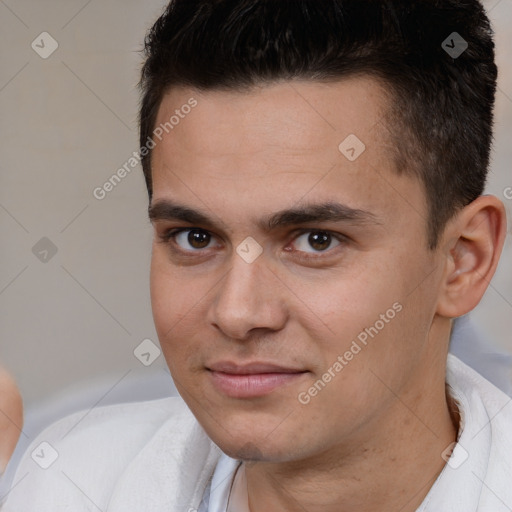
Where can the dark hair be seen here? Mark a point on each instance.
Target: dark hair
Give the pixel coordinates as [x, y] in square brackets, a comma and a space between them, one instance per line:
[441, 113]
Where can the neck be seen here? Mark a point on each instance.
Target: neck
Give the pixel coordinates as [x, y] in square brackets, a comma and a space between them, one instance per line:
[390, 466]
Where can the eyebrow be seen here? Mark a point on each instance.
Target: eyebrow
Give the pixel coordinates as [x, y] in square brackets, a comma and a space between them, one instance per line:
[330, 211]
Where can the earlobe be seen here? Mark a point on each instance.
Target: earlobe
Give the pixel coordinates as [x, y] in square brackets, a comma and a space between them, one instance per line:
[475, 241]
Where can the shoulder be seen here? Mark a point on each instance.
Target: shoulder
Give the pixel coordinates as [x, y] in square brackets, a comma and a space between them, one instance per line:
[127, 425]
[142, 417]
[81, 457]
[464, 381]
[483, 406]
[486, 434]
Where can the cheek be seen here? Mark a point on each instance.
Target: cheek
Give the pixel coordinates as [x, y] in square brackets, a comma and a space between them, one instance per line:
[348, 301]
[162, 294]
[173, 290]
[367, 318]
[177, 301]
[379, 323]
[168, 297]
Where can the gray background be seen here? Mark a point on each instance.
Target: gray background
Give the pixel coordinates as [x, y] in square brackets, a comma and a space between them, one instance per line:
[67, 123]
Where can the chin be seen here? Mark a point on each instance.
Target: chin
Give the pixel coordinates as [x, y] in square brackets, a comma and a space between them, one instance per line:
[261, 445]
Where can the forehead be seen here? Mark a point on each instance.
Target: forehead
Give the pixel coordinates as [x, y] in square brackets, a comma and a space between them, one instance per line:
[282, 142]
[294, 115]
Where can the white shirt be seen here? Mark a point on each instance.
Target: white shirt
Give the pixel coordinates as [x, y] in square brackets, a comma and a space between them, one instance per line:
[154, 457]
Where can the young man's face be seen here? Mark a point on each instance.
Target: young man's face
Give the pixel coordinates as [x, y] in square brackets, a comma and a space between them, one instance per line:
[285, 354]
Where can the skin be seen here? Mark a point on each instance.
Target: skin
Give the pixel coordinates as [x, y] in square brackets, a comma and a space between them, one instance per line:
[372, 439]
[11, 417]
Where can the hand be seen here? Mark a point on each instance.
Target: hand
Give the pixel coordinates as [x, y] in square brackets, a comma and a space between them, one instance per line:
[11, 417]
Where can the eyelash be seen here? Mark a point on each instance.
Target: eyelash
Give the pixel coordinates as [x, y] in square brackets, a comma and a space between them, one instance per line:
[169, 238]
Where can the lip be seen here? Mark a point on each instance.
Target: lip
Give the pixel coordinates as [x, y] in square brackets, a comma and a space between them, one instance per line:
[251, 380]
[252, 368]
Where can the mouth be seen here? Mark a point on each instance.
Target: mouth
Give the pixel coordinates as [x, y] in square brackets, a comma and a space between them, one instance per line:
[251, 380]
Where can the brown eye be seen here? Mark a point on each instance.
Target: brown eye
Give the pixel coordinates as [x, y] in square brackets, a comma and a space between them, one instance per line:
[198, 239]
[190, 240]
[320, 241]
[315, 241]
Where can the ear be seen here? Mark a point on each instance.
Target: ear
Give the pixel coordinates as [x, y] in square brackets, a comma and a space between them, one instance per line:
[473, 241]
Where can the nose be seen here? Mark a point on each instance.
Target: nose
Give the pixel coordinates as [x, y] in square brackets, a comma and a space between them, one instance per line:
[250, 297]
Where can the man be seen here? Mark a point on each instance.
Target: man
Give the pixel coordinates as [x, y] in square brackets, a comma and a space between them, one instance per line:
[315, 173]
